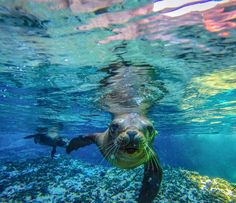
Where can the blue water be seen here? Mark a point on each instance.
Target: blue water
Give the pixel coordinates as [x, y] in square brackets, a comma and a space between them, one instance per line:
[53, 75]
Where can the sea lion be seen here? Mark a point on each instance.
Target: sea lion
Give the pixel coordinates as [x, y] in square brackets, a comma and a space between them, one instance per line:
[49, 138]
[128, 141]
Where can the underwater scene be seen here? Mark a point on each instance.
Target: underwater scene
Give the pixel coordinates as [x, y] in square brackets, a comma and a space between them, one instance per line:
[117, 101]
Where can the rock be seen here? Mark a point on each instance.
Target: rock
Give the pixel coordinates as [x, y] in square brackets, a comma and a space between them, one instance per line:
[68, 180]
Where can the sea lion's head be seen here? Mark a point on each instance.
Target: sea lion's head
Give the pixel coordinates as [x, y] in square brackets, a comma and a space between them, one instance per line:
[131, 137]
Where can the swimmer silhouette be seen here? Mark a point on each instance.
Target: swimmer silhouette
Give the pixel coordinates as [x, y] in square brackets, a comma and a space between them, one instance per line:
[48, 137]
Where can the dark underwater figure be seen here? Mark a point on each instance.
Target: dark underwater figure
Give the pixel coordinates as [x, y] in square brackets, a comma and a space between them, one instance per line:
[50, 138]
[128, 141]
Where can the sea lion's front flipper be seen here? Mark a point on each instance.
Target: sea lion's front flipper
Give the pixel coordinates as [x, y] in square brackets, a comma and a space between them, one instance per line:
[80, 141]
[53, 151]
[29, 136]
[151, 181]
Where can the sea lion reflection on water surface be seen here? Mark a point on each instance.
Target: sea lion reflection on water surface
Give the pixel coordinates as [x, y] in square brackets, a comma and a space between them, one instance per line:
[128, 141]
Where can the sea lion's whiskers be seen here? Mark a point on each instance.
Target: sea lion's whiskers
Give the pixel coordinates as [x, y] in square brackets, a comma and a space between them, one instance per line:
[143, 143]
[146, 147]
[106, 146]
[119, 140]
[108, 152]
[142, 140]
[154, 157]
[147, 154]
[105, 156]
[114, 153]
[151, 151]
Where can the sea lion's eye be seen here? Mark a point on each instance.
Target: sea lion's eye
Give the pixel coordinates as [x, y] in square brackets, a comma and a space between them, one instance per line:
[114, 127]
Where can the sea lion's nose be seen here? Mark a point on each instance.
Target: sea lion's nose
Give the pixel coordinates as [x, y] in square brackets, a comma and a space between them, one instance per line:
[131, 134]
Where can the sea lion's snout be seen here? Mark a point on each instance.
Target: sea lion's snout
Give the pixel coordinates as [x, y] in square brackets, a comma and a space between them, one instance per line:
[130, 141]
[134, 138]
[132, 134]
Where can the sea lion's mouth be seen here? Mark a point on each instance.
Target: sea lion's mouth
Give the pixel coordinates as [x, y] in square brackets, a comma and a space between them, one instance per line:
[130, 150]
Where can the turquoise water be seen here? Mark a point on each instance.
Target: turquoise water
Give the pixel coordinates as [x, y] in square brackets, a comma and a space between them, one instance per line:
[55, 76]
